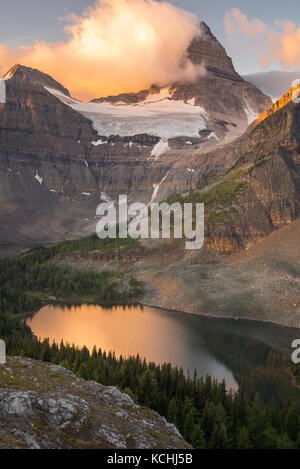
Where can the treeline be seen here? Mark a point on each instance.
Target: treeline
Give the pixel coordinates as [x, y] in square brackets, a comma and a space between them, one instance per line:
[87, 244]
[202, 409]
[25, 281]
[295, 370]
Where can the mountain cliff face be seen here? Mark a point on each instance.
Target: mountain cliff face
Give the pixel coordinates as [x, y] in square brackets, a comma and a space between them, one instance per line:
[55, 162]
[45, 406]
[55, 166]
[261, 194]
[230, 102]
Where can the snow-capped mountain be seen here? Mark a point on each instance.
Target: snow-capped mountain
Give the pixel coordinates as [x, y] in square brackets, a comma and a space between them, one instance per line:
[58, 156]
[218, 106]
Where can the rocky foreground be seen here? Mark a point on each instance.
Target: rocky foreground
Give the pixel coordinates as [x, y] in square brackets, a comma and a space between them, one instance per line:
[44, 406]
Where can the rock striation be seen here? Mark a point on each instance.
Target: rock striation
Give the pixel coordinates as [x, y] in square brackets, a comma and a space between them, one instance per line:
[55, 167]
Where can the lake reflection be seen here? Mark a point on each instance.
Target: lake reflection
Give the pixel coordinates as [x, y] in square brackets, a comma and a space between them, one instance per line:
[253, 353]
[157, 335]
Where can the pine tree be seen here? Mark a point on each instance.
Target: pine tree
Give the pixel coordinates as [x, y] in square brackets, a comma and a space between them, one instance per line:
[198, 438]
[284, 442]
[269, 438]
[189, 426]
[45, 355]
[173, 412]
[243, 440]
[257, 421]
[298, 441]
[292, 422]
[147, 389]
[207, 422]
[219, 438]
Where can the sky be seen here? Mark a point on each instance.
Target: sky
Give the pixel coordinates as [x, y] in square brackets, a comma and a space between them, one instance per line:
[22, 23]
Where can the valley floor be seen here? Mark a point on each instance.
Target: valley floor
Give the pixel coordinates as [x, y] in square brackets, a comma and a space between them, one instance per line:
[260, 284]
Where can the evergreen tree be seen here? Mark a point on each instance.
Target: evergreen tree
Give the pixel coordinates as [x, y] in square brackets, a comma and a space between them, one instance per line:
[284, 442]
[243, 440]
[219, 438]
[173, 412]
[198, 438]
[189, 426]
[147, 389]
[257, 421]
[298, 441]
[269, 438]
[292, 422]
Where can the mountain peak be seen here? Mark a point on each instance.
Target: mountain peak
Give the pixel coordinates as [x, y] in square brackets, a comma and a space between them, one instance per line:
[33, 76]
[206, 31]
[208, 51]
[11, 71]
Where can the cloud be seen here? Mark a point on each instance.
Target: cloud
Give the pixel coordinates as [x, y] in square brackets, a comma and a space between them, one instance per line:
[280, 42]
[116, 46]
[237, 22]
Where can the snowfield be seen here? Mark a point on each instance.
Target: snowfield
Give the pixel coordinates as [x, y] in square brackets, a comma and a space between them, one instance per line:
[157, 115]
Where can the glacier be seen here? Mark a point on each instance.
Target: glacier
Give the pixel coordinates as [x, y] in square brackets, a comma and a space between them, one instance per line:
[160, 116]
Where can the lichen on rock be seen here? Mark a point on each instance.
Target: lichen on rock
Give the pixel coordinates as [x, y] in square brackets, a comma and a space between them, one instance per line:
[46, 406]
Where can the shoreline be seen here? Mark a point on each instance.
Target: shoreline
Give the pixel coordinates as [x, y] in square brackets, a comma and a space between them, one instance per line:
[162, 308]
[141, 303]
[225, 318]
[284, 371]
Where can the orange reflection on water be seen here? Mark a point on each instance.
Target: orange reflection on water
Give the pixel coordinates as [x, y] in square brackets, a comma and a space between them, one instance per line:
[159, 336]
[125, 330]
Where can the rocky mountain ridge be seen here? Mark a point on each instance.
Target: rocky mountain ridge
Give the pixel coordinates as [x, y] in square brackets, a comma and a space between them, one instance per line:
[231, 103]
[44, 406]
[261, 193]
[55, 166]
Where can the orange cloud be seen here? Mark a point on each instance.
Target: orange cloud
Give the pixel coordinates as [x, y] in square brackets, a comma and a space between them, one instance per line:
[273, 44]
[236, 21]
[116, 46]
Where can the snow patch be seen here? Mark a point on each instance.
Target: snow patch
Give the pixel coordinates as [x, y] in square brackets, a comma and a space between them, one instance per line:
[86, 163]
[105, 197]
[86, 193]
[160, 148]
[189, 170]
[250, 113]
[39, 178]
[99, 142]
[158, 115]
[2, 92]
[156, 188]
[213, 135]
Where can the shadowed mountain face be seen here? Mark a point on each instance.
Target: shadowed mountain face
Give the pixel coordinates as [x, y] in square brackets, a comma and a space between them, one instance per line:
[60, 157]
[54, 164]
[262, 191]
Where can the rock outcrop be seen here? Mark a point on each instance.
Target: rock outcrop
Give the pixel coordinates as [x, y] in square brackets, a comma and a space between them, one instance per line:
[261, 193]
[44, 406]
